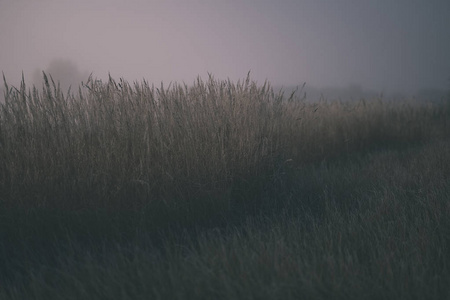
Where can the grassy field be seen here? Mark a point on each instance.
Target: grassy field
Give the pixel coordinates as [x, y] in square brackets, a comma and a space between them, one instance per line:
[221, 190]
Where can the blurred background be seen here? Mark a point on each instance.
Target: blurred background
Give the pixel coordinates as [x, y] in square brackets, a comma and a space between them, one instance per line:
[340, 49]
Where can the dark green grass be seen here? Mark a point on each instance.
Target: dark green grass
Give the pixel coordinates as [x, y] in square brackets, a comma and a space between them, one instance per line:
[373, 227]
[350, 203]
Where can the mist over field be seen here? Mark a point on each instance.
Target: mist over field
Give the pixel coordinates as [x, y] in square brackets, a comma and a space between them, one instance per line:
[214, 184]
[343, 49]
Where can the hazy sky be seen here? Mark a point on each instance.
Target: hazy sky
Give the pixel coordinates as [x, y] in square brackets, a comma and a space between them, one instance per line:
[386, 45]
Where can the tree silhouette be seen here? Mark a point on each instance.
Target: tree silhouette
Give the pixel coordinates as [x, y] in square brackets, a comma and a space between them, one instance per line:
[63, 71]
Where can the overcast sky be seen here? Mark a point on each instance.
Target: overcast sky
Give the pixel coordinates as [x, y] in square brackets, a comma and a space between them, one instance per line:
[385, 45]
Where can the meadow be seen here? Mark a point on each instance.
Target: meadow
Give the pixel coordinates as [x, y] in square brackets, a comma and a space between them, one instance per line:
[221, 190]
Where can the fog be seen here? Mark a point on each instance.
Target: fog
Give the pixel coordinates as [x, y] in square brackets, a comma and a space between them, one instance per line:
[379, 47]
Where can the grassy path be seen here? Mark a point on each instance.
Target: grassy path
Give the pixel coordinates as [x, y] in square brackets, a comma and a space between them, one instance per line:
[373, 226]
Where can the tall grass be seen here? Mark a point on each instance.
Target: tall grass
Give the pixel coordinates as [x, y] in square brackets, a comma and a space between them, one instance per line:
[374, 227]
[220, 190]
[120, 145]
